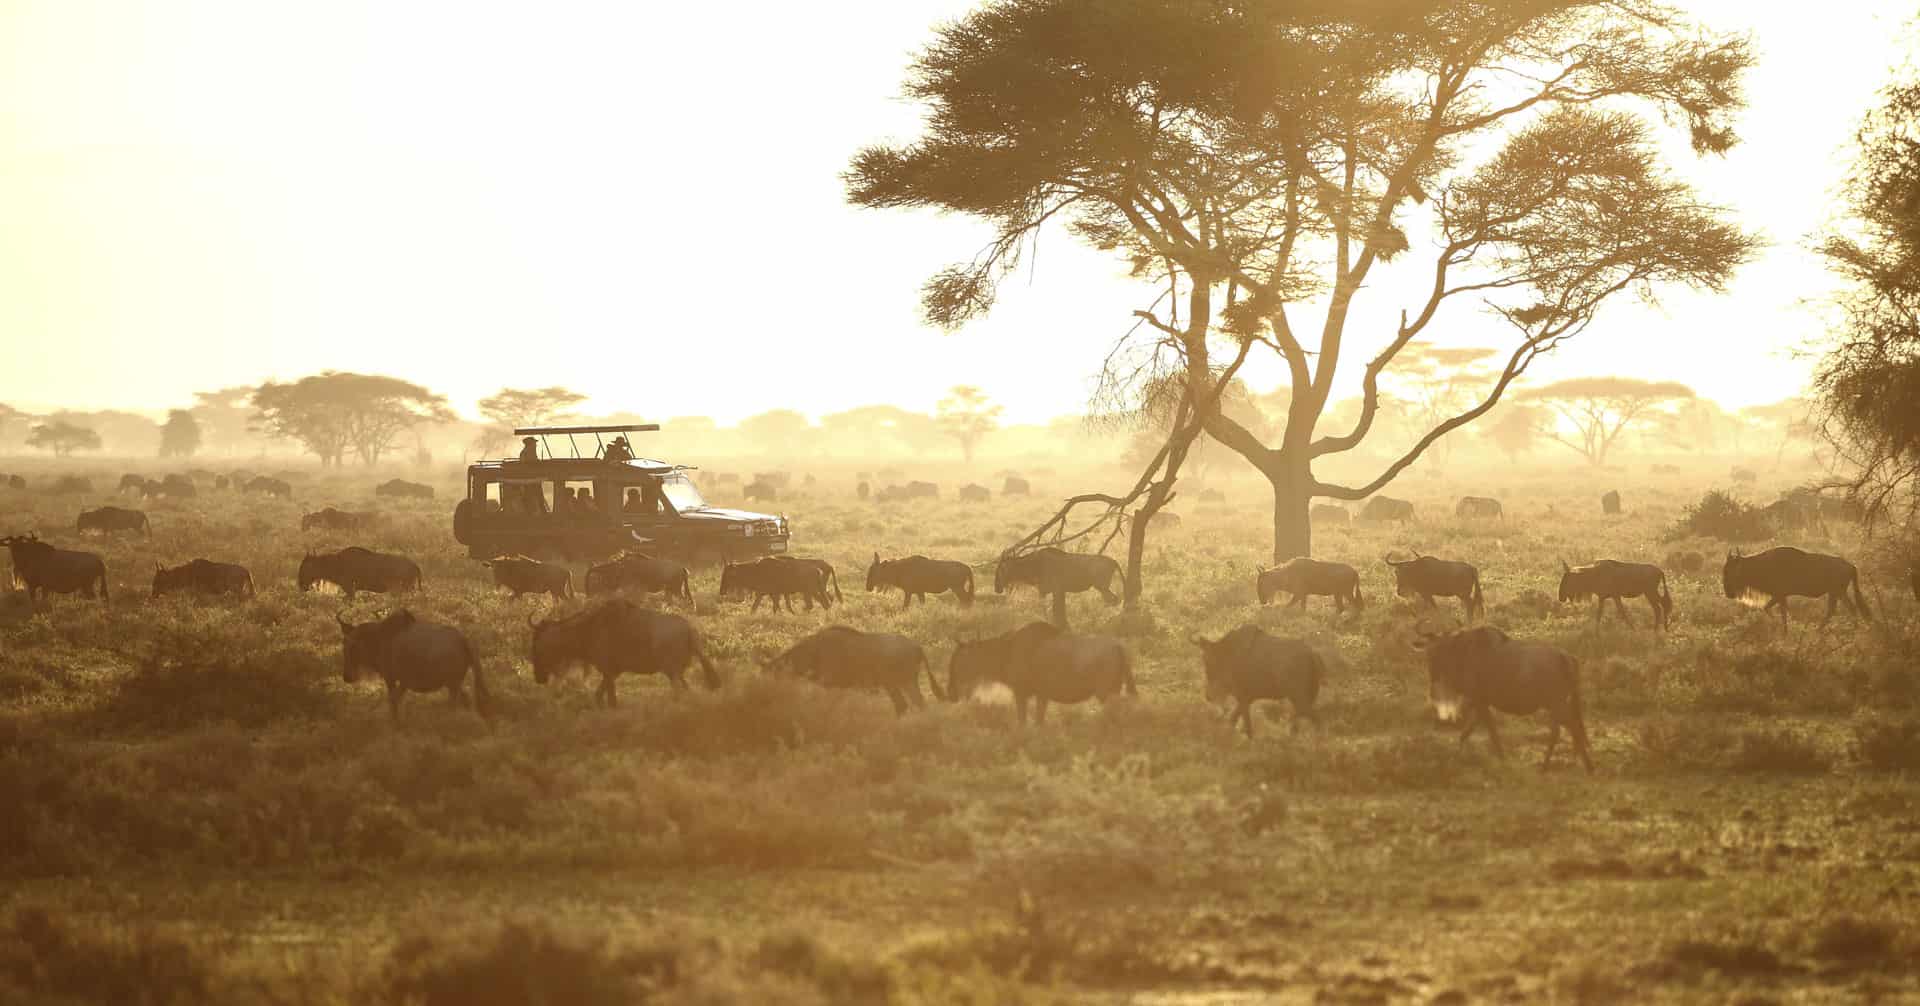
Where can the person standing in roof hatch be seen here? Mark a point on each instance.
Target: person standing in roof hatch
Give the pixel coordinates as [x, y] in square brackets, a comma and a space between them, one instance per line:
[529, 449]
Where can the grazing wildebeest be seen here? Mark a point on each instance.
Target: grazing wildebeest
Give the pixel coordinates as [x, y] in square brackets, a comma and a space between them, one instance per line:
[1303, 577]
[411, 656]
[1610, 503]
[1248, 665]
[403, 489]
[331, 519]
[1042, 663]
[1744, 475]
[1427, 577]
[179, 487]
[840, 657]
[1056, 573]
[1329, 513]
[777, 578]
[918, 576]
[974, 493]
[760, 491]
[1474, 671]
[270, 486]
[203, 577]
[1212, 496]
[778, 480]
[108, 519]
[70, 484]
[1477, 508]
[1387, 508]
[221, 482]
[862, 491]
[42, 569]
[1015, 486]
[641, 572]
[131, 481]
[530, 576]
[16, 482]
[1608, 579]
[354, 569]
[922, 490]
[891, 494]
[618, 637]
[1780, 573]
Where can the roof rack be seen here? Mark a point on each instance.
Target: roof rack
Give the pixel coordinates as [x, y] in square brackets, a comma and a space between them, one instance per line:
[541, 431]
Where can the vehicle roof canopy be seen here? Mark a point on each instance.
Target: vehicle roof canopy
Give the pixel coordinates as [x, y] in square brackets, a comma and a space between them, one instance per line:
[577, 469]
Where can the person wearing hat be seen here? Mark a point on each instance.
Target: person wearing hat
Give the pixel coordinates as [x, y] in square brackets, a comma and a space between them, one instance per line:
[529, 449]
[618, 450]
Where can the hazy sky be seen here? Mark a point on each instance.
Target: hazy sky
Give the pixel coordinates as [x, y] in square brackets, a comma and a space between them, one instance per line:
[642, 201]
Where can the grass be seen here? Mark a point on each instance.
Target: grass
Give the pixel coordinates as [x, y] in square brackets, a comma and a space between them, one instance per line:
[200, 809]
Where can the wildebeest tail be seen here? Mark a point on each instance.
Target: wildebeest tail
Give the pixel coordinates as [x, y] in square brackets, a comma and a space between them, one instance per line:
[1666, 596]
[146, 529]
[1126, 672]
[1577, 714]
[250, 592]
[708, 676]
[966, 596]
[482, 699]
[833, 580]
[933, 680]
[102, 576]
[1479, 602]
[1859, 600]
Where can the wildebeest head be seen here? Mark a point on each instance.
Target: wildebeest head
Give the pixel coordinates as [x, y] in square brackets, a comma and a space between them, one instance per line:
[1403, 578]
[1215, 658]
[876, 574]
[167, 580]
[553, 649]
[728, 579]
[1573, 586]
[1008, 570]
[1454, 663]
[973, 662]
[362, 646]
[1732, 577]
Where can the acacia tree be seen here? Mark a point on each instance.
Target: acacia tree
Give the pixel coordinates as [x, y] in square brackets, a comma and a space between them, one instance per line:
[516, 407]
[1274, 152]
[1517, 429]
[966, 416]
[63, 438]
[1601, 408]
[777, 431]
[333, 412]
[180, 437]
[225, 417]
[1436, 382]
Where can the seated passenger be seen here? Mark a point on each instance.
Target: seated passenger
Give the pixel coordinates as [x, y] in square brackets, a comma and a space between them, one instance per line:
[583, 500]
[632, 504]
[618, 450]
[564, 501]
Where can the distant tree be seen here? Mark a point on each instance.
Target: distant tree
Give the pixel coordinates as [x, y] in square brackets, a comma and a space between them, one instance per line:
[9, 417]
[966, 416]
[872, 430]
[1696, 425]
[514, 407]
[180, 437]
[333, 412]
[491, 440]
[1600, 408]
[1869, 381]
[1435, 382]
[1516, 429]
[779, 431]
[1785, 423]
[63, 438]
[226, 417]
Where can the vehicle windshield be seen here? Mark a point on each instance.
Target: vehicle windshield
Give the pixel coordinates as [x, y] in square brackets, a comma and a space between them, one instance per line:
[679, 491]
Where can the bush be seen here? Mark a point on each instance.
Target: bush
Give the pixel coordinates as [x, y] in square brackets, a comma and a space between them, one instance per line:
[1719, 515]
[1780, 752]
[48, 960]
[1888, 746]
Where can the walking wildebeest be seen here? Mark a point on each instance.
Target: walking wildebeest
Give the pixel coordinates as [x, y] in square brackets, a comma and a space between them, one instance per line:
[1387, 508]
[1057, 573]
[840, 657]
[1471, 672]
[203, 577]
[1610, 503]
[179, 487]
[331, 519]
[108, 519]
[1248, 665]
[403, 489]
[974, 493]
[354, 569]
[1608, 579]
[922, 490]
[270, 486]
[132, 481]
[862, 491]
[1042, 663]
[1784, 572]
[42, 569]
[618, 637]
[1329, 513]
[641, 572]
[530, 576]
[1015, 486]
[760, 491]
[1303, 577]
[1477, 508]
[776, 578]
[1427, 577]
[918, 576]
[411, 656]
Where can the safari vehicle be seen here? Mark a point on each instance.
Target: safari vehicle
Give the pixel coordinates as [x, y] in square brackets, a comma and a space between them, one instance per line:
[597, 501]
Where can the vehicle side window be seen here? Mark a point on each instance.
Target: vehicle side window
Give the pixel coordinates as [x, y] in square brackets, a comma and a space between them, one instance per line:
[577, 500]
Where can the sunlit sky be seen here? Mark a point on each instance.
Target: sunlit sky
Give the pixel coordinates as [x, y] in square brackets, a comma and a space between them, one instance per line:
[642, 202]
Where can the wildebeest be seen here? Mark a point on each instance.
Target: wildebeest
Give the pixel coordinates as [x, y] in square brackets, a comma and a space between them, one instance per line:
[1303, 577]
[1477, 508]
[1056, 573]
[1474, 671]
[840, 657]
[1329, 513]
[862, 491]
[179, 487]
[354, 569]
[203, 577]
[778, 480]
[1042, 663]
[1015, 486]
[16, 482]
[1780, 573]
[1610, 503]
[221, 482]
[918, 576]
[1744, 475]
[411, 656]
[641, 572]
[922, 490]
[1387, 508]
[530, 576]
[775, 577]
[1609, 579]
[330, 519]
[1427, 577]
[132, 481]
[41, 569]
[403, 489]
[760, 491]
[108, 519]
[71, 484]
[1248, 665]
[269, 486]
[974, 493]
[618, 637]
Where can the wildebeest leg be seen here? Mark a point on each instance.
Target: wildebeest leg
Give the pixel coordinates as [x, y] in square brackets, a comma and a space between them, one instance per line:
[1020, 708]
[1428, 600]
[606, 685]
[1833, 604]
[1493, 735]
[1553, 738]
[1781, 603]
[906, 599]
[1299, 601]
[1039, 710]
[1060, 608]
[1599, 610]
[1621, 607]
[756, 602]
[393, 700]
[1472, 722]
[1659, 614]
[899, 700]
[1241, 709]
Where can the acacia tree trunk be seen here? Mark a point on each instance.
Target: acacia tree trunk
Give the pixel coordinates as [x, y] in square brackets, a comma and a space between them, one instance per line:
[1293, 485]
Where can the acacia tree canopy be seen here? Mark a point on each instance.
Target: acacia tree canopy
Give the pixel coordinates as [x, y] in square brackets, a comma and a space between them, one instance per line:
[1275, 152]
[515, 407]
[63, 438]
[966, 415]
[333, 412]
[1600, 408]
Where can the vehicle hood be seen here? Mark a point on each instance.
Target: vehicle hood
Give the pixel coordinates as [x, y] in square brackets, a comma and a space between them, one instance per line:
[726, 515]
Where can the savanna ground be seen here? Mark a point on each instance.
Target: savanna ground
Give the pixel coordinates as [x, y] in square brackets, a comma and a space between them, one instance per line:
[198, 809]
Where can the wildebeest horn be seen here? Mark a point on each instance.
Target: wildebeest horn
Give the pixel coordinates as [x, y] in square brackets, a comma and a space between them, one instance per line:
[1198, 640]
[1564, 567]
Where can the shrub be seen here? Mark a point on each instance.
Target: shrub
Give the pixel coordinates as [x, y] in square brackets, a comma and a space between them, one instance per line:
[1780, 752]
[1719, 515]
[1888, 746]
[49, 960]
